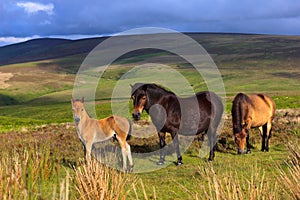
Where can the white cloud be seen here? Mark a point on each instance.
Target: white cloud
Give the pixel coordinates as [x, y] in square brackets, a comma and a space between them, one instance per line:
[32, 7]
[11, 40]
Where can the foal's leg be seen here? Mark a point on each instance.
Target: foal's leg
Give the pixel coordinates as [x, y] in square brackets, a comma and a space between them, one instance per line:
[129, 157]
[176, 145]
[123, 144]
[88, 151]
[162, 144]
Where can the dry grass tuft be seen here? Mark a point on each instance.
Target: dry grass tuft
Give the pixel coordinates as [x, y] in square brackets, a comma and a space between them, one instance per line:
[97, 181]
[290, 178]
[233, 185]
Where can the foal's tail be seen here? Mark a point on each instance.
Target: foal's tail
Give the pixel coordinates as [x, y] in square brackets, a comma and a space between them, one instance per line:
[130, 129]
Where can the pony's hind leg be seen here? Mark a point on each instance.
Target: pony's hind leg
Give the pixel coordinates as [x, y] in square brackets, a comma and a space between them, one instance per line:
[268, 135]
[162, 144]
[264, 137]
[176, 145]
[211, 135]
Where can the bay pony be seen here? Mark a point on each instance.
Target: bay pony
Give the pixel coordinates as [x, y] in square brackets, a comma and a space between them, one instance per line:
[252, 111]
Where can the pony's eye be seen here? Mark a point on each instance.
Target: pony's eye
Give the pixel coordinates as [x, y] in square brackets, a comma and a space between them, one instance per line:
[82, 109]
[144, 98]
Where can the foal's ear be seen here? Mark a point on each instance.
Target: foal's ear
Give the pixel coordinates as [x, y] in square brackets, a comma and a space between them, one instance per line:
[72, 100]
[82, 100]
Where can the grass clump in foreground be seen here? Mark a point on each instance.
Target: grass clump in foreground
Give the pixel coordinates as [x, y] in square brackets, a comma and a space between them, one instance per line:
[97, 181]
[27, 174]
[234, 184]
[36, 174]
[291, 179]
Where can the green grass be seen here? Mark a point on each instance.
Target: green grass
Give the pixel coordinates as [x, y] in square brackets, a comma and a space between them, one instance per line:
[174, 180]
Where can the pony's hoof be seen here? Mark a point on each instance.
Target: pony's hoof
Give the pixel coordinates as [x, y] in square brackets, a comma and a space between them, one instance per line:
[161, 162]
[267, 149]
[178, 163]
[248, 152]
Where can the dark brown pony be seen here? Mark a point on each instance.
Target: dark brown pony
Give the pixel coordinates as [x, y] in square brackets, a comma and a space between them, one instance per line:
[91, 131]
[170, 113]
[252, 111]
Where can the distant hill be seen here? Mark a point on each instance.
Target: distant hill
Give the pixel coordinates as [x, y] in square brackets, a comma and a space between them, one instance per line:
[222, 46]
[45, 48]
[247, 62]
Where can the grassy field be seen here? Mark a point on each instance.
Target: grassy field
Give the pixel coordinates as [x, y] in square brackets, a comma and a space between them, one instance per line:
[41, 156]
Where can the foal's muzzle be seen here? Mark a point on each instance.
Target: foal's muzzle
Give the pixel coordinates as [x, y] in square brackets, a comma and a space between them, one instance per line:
[137, 115]
[77, 120]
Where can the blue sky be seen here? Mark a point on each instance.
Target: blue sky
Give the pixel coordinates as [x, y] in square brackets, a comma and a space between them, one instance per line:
[22, 20]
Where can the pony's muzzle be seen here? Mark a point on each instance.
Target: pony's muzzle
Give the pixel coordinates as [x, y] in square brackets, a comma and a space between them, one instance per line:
[136, 115]
[241, 151]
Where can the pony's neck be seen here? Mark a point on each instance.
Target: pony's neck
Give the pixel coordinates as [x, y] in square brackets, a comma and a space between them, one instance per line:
[154, 95]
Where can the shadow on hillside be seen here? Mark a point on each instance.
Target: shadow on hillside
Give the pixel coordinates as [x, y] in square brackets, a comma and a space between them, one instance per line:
[7, 100]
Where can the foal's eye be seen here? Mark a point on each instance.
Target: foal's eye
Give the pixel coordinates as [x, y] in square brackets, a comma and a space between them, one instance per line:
[144, 98]
[82, 109]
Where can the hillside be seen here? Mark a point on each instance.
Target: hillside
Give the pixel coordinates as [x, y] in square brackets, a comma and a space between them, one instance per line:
[42, 71]
[223, 47]
[45, 48]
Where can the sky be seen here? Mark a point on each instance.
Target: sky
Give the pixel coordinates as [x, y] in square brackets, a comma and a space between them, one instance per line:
[21, 20]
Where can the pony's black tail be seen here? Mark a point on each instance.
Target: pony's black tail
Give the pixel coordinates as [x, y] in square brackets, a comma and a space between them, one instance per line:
[130, 129]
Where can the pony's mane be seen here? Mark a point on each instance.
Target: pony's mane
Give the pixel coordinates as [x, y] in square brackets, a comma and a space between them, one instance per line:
[237, 111]
[155, 86]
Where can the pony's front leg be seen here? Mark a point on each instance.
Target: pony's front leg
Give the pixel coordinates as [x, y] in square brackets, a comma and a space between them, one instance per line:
[247, 141]
[263, 130]
[162, 143]
[176, 145]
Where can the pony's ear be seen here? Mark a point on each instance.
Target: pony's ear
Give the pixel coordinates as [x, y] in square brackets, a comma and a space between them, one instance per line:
[72, 100]
[131, 86]
[82, 100]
